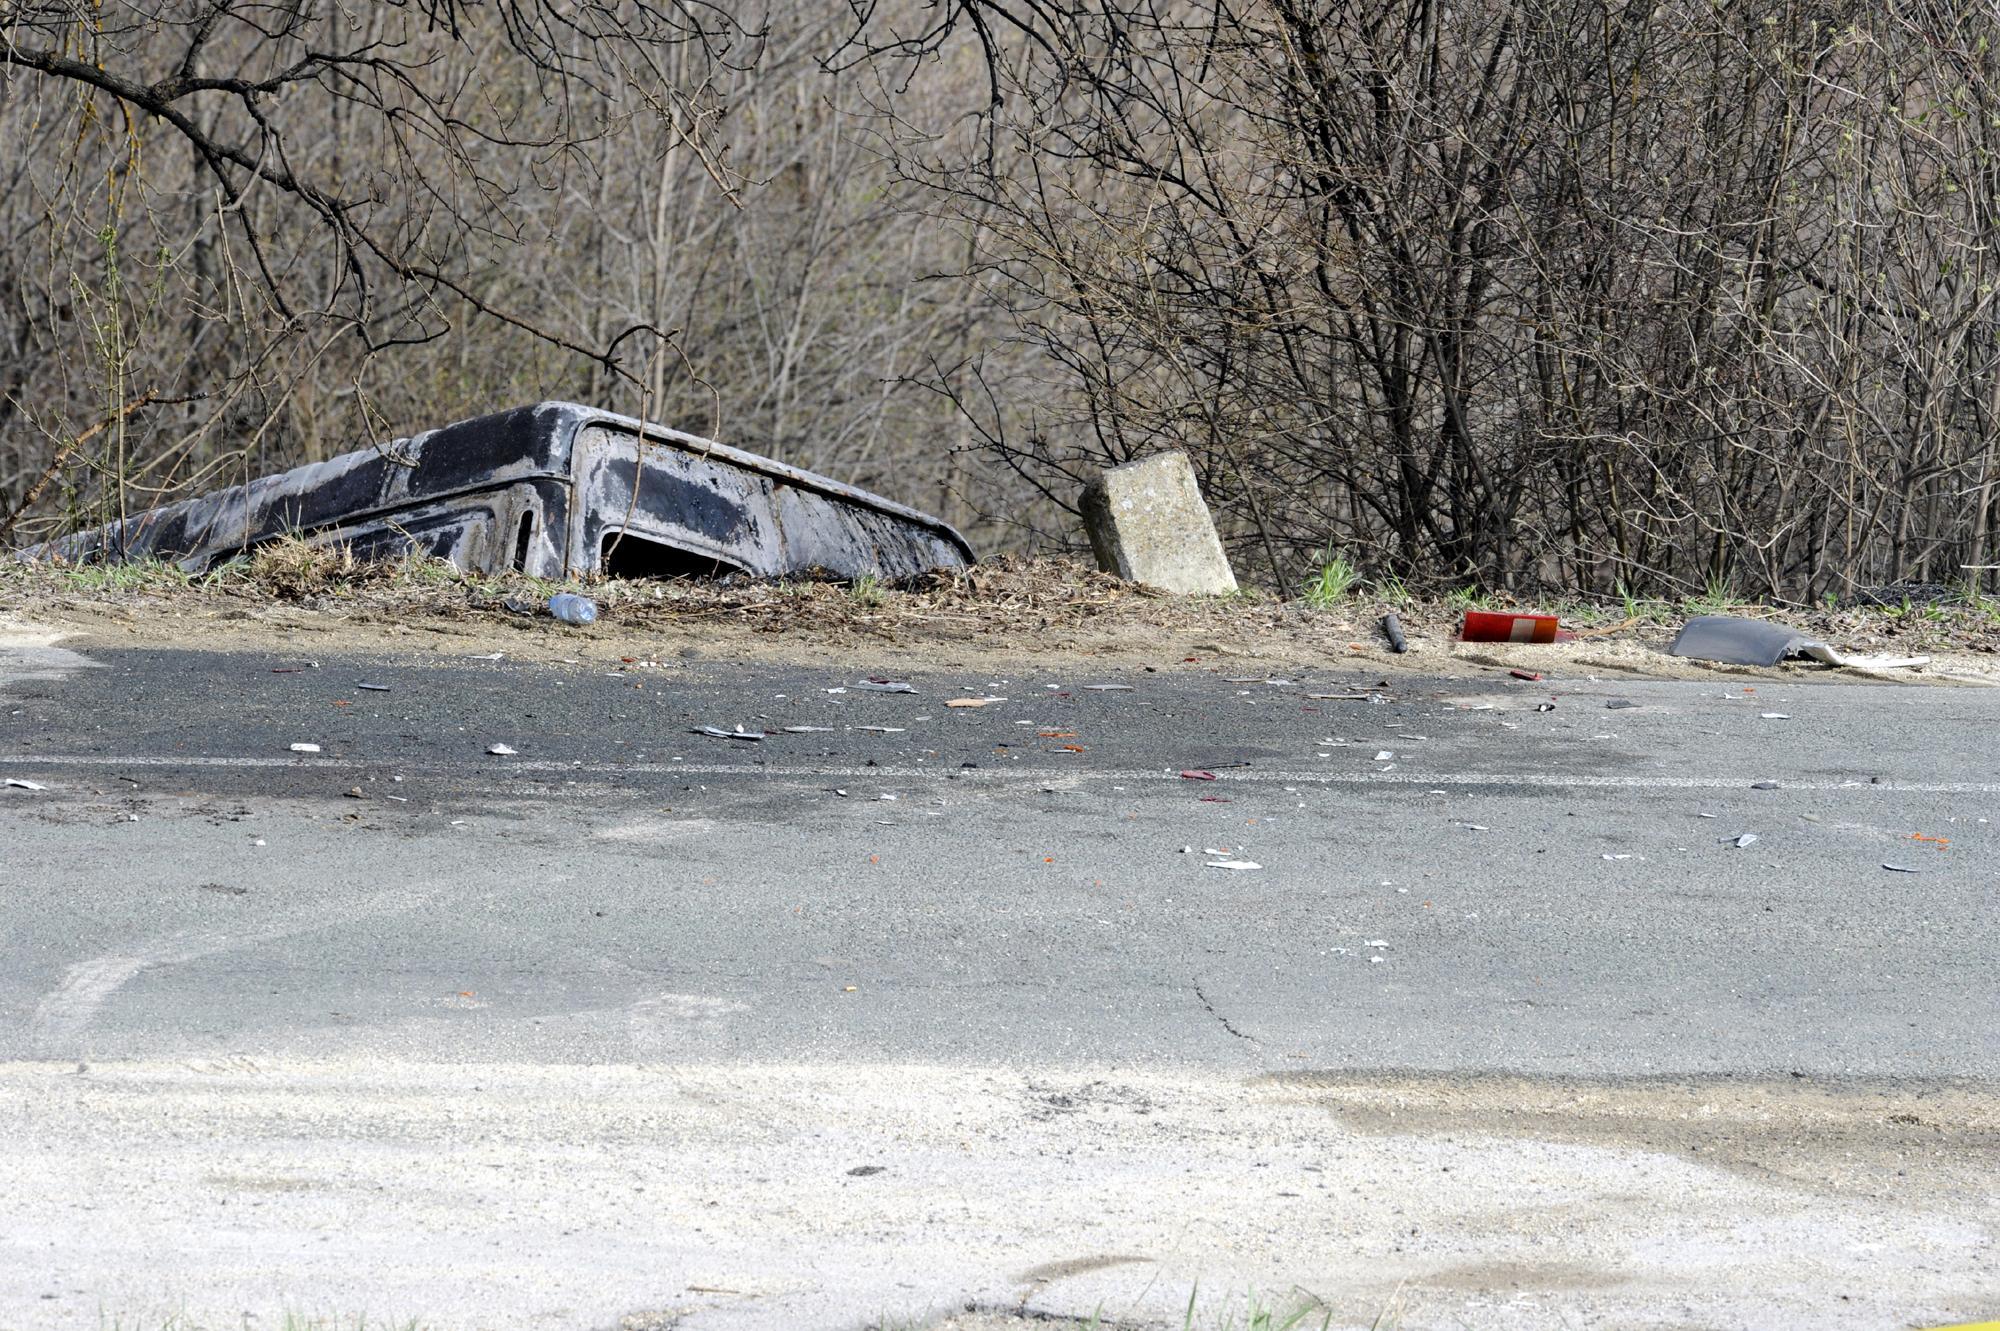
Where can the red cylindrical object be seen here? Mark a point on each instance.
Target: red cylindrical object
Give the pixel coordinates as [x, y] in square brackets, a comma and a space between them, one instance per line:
[1489, 626]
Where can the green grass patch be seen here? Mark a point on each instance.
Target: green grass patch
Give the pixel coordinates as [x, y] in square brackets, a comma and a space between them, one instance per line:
[1332, 584]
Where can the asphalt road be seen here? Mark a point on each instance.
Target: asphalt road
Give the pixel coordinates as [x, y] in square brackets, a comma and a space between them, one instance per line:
[915, 1007]
[1513, 889]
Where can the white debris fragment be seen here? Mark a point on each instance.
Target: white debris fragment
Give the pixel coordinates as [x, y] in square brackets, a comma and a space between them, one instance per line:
[305, 748]
[20, 783]
[1774, 716]
[1234, 864]
[1832, 656]
[1383, 756]
[501, 749]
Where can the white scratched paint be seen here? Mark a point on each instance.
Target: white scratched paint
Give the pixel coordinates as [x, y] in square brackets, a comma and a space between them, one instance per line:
[658, 1022]
[66, 1011]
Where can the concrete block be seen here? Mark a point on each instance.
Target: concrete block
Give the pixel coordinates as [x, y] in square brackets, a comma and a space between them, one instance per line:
[1148, 524]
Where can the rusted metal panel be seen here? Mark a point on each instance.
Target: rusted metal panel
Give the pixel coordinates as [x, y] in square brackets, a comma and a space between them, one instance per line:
[555, 490]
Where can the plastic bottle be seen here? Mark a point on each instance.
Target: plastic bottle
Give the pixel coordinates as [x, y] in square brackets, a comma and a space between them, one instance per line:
[573, 609]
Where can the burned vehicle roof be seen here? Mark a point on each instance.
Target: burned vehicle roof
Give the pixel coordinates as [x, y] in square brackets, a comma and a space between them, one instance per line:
[555, 490]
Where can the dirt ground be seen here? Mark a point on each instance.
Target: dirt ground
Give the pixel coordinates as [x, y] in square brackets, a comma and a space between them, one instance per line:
[999, 1202]
[1007, 614]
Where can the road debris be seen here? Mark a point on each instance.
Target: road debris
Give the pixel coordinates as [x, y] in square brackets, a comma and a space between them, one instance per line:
[1193, 774]
[1105, 688]
[808, 730]
[1492, 626]
[1774, 716]
[21, 783]
[502, 750]
[1731, 640]
[1392, 629]
[1545, 707]
[573, 609]
[1234, 864]
[1901, 868]
[305, 748]
[1530, 675]
[1620, 705]
[883, 730]
[873, 685]
[973, 702]
[1741, 840]
[373, 688]
[718, 732]
[1833, 656]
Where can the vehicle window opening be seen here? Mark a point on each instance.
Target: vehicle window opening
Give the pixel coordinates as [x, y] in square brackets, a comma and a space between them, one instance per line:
[522, 542]
[627, 556]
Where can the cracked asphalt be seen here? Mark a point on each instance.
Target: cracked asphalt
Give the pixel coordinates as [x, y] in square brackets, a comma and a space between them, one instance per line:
[1448, 881]
[1509, 889]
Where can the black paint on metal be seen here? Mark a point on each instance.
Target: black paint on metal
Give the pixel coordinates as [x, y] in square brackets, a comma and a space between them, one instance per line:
[549, 490]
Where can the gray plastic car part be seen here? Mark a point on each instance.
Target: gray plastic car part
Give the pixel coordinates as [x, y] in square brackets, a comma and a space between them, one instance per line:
[1734, 641]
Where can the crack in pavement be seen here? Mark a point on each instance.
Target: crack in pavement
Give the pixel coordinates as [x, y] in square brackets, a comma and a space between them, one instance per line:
[1210, 1008]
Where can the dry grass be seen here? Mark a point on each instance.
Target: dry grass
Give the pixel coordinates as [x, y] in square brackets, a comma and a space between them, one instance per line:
[1009, 596]
[1010, 603]
[294, 569]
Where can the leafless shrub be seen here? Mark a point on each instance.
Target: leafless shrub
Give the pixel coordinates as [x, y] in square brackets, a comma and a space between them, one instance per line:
[1531, 292]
